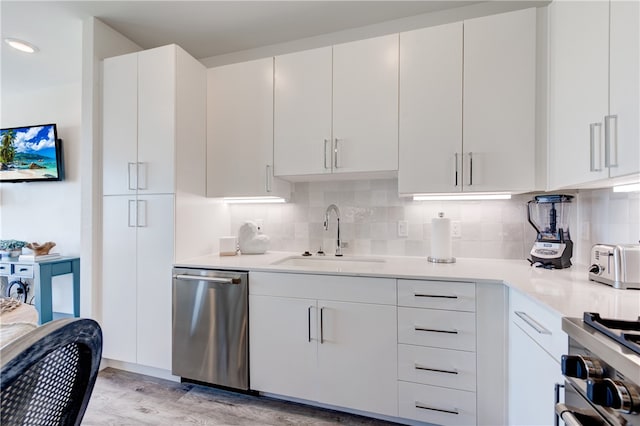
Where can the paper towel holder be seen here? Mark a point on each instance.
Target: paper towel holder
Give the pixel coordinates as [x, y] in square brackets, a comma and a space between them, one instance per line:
[441, 259]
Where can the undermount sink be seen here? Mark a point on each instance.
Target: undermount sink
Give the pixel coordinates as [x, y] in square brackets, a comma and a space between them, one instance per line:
[330, 262]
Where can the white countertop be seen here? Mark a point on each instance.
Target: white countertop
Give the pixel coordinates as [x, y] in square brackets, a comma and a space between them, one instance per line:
[566, 291]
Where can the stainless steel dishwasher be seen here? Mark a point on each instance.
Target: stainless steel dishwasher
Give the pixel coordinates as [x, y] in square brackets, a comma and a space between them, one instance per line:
[211, 327]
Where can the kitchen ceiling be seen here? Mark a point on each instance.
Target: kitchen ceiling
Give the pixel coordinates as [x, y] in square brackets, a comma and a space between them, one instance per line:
[203, 28]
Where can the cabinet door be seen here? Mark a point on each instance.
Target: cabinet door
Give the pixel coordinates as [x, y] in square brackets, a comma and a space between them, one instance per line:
[532, 376]
[119, 124]
[430, 109]
[302, 115]
[365, 105]
[156, 119]
[499, 102]
[119, 296]
[283, 342]
[155, 257]
[578, 34]
[240, 131]
[624, 86]
[357, 356]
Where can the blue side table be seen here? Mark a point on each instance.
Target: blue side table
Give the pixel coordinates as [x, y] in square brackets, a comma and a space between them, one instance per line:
[41, 272]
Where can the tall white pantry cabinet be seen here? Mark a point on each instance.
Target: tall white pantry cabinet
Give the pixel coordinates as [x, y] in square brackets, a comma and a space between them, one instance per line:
[154, 145]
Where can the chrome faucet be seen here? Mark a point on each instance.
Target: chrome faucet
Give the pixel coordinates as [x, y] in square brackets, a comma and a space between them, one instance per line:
[326, 225]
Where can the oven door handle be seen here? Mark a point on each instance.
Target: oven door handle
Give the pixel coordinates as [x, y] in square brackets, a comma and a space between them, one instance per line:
[567, 416]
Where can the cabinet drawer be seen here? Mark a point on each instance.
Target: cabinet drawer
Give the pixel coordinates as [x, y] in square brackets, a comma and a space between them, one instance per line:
[328, 287]
[456, 296]
[542, 325]
[438, 367]
[22, 270]
[5, 269]
[435, 328]
[433, 404]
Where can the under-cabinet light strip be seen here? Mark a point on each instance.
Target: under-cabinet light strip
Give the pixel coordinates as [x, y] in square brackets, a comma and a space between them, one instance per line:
[632, 187]
[461, 197]
[253, 200]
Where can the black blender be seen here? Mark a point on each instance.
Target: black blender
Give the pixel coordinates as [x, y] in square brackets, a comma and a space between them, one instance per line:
[549, 216]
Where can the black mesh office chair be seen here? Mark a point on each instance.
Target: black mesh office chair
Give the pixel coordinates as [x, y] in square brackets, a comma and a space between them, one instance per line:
[47, 375]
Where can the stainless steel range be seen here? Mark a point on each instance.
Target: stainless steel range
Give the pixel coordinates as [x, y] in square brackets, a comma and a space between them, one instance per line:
[602, 372]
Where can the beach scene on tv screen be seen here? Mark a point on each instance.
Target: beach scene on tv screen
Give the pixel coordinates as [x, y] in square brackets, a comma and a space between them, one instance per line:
[28, 153]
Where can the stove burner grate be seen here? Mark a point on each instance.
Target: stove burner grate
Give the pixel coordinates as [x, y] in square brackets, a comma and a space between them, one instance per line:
[626, 333]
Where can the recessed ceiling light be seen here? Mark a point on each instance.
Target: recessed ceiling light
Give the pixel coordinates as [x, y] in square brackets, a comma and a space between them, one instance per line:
[21, 45]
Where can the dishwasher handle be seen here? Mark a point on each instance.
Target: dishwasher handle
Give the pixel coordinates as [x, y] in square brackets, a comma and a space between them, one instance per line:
[217, 280]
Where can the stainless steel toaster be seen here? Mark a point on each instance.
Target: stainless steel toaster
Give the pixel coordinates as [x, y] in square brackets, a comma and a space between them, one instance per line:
[616, 265]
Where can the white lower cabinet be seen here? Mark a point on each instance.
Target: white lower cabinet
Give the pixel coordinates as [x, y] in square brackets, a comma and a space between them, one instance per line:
[437, 405]
[328, 346]
[136, 297]
[536, 342]
[414, 350]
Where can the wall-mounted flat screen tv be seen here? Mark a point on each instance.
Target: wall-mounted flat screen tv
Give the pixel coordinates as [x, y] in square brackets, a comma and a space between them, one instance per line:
[31, 154]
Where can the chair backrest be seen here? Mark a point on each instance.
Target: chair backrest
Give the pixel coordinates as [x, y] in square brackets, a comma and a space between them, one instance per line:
[47, 375]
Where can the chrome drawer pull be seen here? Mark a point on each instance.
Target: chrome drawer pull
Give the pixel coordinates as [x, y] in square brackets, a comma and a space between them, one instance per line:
[437, 296]
[433, 330]
[532, 323]
[442, 410]
[435, 370]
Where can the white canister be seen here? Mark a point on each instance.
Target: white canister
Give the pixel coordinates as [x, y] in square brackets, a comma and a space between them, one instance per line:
[441, 251]
[228, 246]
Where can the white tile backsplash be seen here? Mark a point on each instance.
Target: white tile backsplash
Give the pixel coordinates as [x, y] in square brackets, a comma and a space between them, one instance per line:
[370, 210]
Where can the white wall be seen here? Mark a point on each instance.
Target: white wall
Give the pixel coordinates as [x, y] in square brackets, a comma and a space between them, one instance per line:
[47, 211]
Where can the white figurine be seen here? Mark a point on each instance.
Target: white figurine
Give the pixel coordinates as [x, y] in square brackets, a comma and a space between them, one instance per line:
[250, 240]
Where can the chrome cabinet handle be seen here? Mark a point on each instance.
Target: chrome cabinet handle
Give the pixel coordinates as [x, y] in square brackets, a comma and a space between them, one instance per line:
[322, 325]
[141, 207]
[437, 296]
[442, 410]
[132, 214]
[268, 178]
[435, 330]
[435, 370]
[130, 183]
[335, 153]
[611, 143]
[592, 143]
[455, 156]
[141, 178]
[326, 141]
[309, 323]
[470, 168]
[531, 322]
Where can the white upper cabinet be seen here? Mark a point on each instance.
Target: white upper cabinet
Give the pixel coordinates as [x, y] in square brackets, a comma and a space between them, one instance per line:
[624, 88]
[336, 109]
[499, 102]
[578, 33]
[365, 105]
[157, 120]
[594, 91]
[120, 124]
[430, 109]
[139, 119]
[302, 133]
[240, 131]
[467, 106]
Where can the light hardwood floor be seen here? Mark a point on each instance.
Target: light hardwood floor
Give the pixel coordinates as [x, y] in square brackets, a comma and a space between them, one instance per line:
[123, 398]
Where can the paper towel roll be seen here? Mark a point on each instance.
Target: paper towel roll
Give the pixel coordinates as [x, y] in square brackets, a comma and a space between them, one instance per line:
[441, 251]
